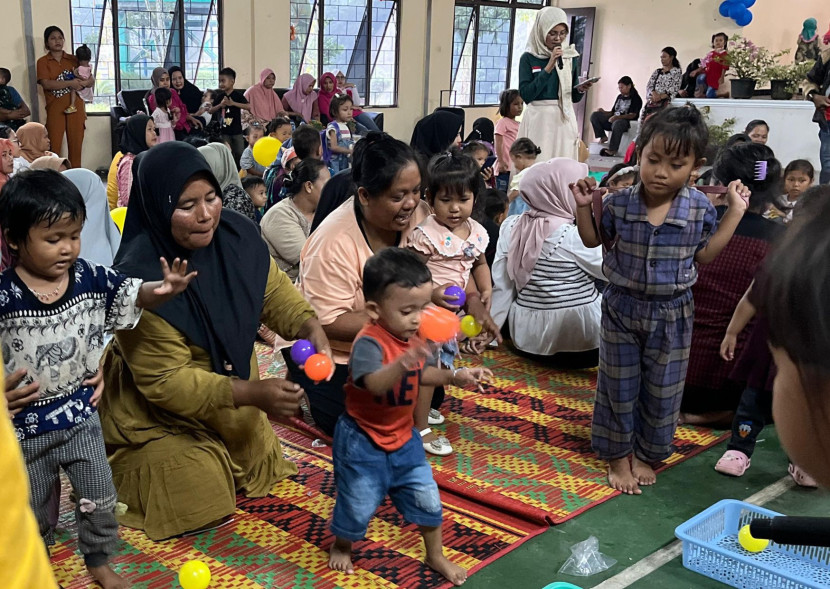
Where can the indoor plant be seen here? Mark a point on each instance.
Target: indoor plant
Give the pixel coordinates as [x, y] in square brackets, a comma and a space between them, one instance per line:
[785, 79]
[750, 65]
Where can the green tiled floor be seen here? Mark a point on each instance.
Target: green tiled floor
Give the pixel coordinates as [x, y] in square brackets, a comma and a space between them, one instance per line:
[631, 528]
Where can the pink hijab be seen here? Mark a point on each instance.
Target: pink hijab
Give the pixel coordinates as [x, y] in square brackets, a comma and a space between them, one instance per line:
[299, 101]
[545, 187]
[265, 104]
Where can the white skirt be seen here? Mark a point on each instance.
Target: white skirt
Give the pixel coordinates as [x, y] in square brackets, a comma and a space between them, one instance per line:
[542, 123]
[548, 332]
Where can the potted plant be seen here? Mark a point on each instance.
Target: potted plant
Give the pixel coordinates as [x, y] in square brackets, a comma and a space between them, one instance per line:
[785, 79]
[749, 63]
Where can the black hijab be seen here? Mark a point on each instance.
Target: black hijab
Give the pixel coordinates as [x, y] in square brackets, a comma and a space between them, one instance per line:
[483, 130]
[134, 135]
[434, 133]
[220, 310]
[190, 93]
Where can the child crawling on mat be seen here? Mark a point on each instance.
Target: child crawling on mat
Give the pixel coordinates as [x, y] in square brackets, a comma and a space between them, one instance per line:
[377, 450]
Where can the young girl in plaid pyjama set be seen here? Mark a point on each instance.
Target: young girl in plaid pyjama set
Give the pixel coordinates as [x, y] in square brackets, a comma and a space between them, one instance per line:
[659, 228]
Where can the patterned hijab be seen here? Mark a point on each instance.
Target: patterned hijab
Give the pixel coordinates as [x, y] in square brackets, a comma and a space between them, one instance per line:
[220, 310]
[546, 188]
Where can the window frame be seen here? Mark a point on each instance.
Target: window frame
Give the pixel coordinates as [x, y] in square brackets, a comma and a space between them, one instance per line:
[367, 97]
[180, 22]
[476, 6]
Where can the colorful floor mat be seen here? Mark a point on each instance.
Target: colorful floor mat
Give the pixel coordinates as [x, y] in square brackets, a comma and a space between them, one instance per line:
[282, 540]
[524, 446]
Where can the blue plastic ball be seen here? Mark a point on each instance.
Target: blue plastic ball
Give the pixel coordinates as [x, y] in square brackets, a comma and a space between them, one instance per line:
[458, 293]
[724, 8]
[744, 19]
[301, 351]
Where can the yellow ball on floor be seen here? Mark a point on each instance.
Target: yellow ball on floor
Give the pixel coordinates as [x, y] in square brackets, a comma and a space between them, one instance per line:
[194, 575]
[750, 543]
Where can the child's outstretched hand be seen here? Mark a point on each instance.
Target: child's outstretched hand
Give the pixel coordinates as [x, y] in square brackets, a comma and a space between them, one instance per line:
[737, 196]
[469, 376]
[583, 191]
[176, 278]
[439, 299]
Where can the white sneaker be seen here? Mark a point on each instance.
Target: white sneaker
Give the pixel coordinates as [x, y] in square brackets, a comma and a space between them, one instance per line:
[435, 417]
[440, 446]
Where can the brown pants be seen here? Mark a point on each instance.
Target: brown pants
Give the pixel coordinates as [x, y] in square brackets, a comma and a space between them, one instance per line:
[58, 123]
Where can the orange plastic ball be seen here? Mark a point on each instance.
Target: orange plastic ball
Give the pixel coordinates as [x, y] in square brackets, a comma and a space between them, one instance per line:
[439, 325]
[318, 367]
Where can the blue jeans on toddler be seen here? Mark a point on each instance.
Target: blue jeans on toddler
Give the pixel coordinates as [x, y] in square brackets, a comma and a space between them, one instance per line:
[364, 474]
[707, 90]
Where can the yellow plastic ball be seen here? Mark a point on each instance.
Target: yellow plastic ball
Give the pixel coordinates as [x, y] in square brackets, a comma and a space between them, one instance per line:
[266, 150]
[194, 575]
[470, 326]
[750, 543]
[118, 216]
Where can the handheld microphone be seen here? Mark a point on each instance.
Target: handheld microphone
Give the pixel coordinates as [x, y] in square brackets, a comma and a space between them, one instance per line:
[559, 62]
[800, 531]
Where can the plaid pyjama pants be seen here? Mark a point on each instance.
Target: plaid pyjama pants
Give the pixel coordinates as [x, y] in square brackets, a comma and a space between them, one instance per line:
[80, 452]
[643, 357]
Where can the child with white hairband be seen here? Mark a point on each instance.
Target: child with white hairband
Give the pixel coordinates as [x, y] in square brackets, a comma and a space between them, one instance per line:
[620, 177]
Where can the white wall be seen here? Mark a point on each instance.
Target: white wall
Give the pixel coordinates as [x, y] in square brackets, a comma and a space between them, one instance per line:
[628, 36]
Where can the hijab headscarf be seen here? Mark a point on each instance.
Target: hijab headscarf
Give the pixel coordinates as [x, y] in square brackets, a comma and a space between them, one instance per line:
[298, 100]
[190, 94]
[50, 162]
[808, 33]
[99, 237]
[30, 137]
[265, 104]
[134, 135]
[220, 160]
[220, 309]
[176, 101]
[546, 189]
[546, 19]
[155, 78]
[483, 131]
[434, 133]
[323, 97]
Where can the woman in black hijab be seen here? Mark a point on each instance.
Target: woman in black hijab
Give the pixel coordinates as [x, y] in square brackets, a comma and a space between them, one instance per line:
[188, 92]
[484, 131]
[435, 133]
[186, 416]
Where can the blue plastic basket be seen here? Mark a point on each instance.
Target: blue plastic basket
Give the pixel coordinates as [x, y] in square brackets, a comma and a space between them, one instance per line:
[711, 548]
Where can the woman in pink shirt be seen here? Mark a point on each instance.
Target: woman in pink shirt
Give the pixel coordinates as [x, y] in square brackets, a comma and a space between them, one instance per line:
[385, 209]
[507, 127]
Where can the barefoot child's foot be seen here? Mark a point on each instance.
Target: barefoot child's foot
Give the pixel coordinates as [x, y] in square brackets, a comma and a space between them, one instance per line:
[340, 556]
[107, 578]
[453, 573]
[642, 471]
[621, 478]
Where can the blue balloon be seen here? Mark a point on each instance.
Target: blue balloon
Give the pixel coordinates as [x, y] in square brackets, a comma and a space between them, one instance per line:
[744, 19]
[724, 8]
[748, 4]
[736, 10]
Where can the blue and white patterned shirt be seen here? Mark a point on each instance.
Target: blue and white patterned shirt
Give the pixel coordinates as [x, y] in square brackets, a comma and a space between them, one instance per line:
[651, 261]
[60, 344]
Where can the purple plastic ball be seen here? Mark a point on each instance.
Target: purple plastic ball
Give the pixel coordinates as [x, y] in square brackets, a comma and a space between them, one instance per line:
[301, 351]
[458, 293]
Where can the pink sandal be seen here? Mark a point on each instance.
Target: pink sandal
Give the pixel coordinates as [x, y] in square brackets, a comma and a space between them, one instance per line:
[801, 478]
[733, 463]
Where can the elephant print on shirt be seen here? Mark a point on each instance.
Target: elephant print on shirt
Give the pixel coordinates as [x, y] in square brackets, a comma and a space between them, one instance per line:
[55, 354]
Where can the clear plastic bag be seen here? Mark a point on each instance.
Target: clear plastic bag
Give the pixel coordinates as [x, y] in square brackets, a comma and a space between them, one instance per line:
[586, 559]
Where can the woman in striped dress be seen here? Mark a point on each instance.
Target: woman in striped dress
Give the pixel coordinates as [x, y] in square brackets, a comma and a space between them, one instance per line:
[544, 277]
